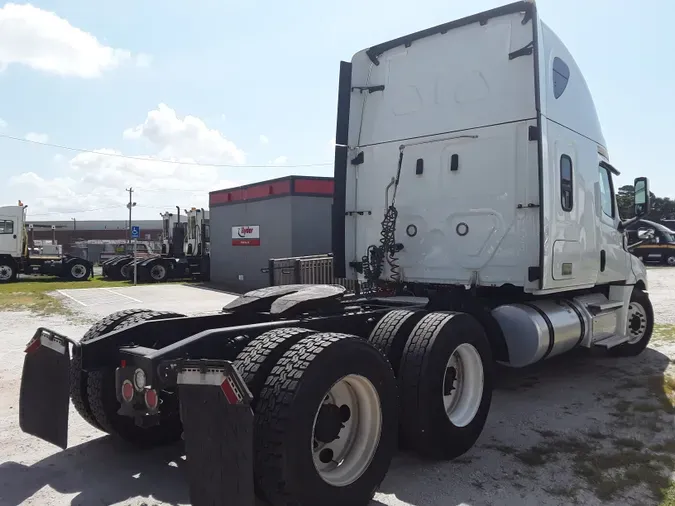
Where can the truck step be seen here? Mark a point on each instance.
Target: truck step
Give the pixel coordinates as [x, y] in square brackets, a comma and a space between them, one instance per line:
[611, 341]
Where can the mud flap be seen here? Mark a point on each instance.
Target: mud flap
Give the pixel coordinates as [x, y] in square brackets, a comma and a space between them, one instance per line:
[218, 432]
[44, 397]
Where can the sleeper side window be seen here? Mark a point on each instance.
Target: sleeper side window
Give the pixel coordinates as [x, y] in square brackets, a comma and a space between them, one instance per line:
[566, 184]
[606, 193]
[561, 76]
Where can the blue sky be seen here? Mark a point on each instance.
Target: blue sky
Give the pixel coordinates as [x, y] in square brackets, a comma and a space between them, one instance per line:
[252, 69]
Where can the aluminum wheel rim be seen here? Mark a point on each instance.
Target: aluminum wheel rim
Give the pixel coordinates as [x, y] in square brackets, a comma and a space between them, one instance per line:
[637, 322]
[670, 260]
[6, 272]
[158, 272]
[358, 438]
[463, 384]
[78, 271]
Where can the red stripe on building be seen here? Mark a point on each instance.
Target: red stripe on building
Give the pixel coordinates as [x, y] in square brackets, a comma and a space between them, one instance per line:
[314, 186]
[257, 191]
[273, 188]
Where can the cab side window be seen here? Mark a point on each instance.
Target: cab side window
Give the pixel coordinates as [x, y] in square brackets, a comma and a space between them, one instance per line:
[6, 227]
[566, 186]
[607, 193]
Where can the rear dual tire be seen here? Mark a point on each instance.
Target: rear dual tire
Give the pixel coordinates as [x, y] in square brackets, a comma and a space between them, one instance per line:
[319, 395]
[286, 423]
[94, 394]
[444, 366]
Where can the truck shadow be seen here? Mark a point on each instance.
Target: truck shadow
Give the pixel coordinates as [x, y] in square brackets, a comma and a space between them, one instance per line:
[576, 428]
[100, 472]
[581, 428]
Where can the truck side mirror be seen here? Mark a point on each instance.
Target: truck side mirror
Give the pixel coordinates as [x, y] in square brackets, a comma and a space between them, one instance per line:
[646, 234]
[641, 198]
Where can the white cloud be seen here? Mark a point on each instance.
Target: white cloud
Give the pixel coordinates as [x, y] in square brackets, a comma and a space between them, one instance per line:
[264, 139]
[36, 137]
[3, 123]
[97, 181]
[44, 41]
[188, 137]
[280, 160]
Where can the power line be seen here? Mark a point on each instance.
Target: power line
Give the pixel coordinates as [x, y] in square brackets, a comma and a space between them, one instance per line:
[161, 160]
[50, 213]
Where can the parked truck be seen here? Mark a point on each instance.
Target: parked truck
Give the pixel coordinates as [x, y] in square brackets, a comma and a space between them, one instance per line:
[474, 196]
[184, 252]
[17, 256]
[652, 242]
[115, 265]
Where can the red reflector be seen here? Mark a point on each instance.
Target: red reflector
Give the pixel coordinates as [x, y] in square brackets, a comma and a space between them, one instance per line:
[33, 346]
[151, 399]
[123, 363]
[229, 392]
[127, 391]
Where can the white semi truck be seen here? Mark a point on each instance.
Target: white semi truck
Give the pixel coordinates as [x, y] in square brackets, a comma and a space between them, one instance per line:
[184, 252]
[474, 193]
[16, 257]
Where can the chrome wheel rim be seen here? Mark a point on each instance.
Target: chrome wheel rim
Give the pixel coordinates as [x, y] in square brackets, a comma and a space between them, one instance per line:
[637, 322]
[78, 271]
[346, 431]
[6, 272]
[158, 272]
[463, 384]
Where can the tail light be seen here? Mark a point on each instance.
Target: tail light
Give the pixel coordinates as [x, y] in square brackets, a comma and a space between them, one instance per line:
[151, 399]
[127, 391]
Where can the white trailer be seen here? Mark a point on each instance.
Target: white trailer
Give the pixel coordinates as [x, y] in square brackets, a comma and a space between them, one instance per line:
[475, 195]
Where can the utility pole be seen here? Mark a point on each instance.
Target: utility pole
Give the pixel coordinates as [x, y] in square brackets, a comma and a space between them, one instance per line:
[130, 205]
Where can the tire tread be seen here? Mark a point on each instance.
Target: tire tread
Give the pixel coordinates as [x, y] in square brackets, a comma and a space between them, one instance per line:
[78, 377]
[104, 410]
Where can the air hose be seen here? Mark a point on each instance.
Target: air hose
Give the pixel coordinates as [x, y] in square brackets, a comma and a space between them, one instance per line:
[373, 261]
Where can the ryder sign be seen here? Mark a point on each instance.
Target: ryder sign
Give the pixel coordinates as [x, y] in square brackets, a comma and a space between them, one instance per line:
[246, 235]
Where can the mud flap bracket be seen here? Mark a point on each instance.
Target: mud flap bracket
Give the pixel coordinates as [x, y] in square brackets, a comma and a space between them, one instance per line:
[44, 397]
[215, 408]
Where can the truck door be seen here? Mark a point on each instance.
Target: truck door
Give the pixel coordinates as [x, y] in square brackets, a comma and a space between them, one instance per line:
[10, 243]
[613, 259]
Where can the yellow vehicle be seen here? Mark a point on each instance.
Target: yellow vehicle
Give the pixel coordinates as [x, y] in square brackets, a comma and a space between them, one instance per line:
[658, 243]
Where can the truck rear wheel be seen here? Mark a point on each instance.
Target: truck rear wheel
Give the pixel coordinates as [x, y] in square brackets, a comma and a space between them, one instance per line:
[326, 423]
[78, 377]
[392, 332]
[157, 272]
[258, 358]
[103, 401]
[126, 272]
[445, 385]
[78, 270]
[640, 326]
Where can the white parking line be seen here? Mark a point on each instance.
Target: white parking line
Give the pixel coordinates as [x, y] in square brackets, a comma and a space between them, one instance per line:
[121, 294]
[71, 297]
